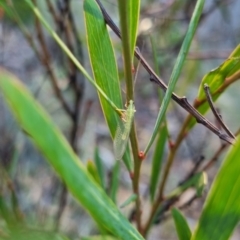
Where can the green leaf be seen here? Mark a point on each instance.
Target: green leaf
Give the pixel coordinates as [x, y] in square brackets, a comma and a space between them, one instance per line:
[99, 238]
[93, 172]
[158, 159]
[104, 66]
[201, 184]
[177, 69]
[215, 80]
[124, 15]
[162, 136]
[103, 61]
[183, 230]
[115, 181]
[20, 8]
[131, 199]
[155, 58]
[134, 9]
[217, 76]
[67, 51]
[221, 212]
[23, 233]
[100, 167]
[195, 181]
[6, 213]
[49, 140]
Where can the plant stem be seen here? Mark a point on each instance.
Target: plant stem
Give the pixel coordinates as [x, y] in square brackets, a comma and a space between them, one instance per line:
[177, 69]
[166, 171]
[217, 154]
[136, 175]
[215, 112]
[46, 61]
[124, 22]
[182, 101]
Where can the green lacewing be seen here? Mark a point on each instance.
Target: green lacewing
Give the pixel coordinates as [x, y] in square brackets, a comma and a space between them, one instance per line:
[123, 131]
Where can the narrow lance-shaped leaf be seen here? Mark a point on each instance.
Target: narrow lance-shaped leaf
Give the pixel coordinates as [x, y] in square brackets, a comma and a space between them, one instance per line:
[131, 199]
[215, 79]
[221, 212]
[17, 232]
[115, 181]
[198, 181]
[134, 10]
[6, 214]
[104, 66]
[67, 51]
[183, 230]
[99, 238]
[103, 61]
[177, 68]
[161, 139]
[22, 8]
[100, 167]
[49, 140]
[124, 15]
[92, 170]
[158, 159]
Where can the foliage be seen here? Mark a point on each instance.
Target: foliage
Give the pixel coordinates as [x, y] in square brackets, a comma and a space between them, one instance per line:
[88, 183]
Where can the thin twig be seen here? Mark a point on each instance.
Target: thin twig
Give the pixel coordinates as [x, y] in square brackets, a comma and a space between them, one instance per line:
[194, 170]
[160, 215]
[166, 215]
[217, 154]
[14, 200]
[214, 157]
[46, 59]
[166, 171]
[215, 112]
[53, 12]
[189, 202]
[136, 175]
[208, 165]
[25, 32]
[182, 101]
[65, 28]
[133, 139]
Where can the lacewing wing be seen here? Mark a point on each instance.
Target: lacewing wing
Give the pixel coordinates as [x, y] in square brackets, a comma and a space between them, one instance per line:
[123, 131]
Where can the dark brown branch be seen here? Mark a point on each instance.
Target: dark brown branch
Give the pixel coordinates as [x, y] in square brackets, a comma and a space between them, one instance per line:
[215, 112]
[154, 78]
[67, 28]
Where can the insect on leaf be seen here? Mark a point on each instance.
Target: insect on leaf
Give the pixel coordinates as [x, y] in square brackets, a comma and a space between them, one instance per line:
[123, 131]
